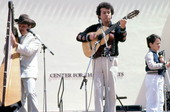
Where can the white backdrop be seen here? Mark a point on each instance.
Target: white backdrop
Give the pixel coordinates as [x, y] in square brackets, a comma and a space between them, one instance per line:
[58, 23]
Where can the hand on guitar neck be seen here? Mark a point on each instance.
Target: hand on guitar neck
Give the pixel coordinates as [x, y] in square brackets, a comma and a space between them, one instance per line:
[123, 23]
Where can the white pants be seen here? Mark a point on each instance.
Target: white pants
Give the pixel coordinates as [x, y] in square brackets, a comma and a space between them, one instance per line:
[28, 92]
[154, 93]
[105, 74]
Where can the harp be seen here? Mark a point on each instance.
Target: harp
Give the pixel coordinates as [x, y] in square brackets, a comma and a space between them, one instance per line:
[10, 82]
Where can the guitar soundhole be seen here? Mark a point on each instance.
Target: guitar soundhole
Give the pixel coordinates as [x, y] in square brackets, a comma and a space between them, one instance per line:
[100, 36]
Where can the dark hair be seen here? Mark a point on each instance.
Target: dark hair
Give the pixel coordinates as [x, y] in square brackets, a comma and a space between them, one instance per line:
[104, 5]
[151, 39]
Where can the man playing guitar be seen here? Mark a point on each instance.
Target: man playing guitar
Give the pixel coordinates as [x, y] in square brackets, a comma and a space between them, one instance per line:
[104, 69]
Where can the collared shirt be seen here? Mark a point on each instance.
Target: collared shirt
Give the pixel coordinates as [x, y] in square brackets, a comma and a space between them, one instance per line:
[28, 49]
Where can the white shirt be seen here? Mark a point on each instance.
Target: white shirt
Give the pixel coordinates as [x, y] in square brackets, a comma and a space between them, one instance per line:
[28, 49]
[149, 58]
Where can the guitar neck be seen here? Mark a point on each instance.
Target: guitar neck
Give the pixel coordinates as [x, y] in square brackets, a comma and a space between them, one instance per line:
[129, 16]
[109, 30]
[112, 28]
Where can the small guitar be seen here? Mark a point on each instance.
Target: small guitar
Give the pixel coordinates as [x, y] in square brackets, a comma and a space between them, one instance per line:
[89, 48]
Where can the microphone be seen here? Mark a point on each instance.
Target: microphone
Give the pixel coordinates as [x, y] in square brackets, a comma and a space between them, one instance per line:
[29, 30]
[161, 53]
[44, 46]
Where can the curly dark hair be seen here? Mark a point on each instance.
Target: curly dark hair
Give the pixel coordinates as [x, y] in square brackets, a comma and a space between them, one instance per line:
[151, 39]
[104, 5]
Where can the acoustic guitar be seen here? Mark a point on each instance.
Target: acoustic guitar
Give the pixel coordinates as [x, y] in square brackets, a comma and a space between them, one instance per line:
[90, 48]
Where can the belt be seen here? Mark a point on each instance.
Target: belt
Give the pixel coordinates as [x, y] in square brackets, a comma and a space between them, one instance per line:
[101, 55]
[152, 72]
[104, 55]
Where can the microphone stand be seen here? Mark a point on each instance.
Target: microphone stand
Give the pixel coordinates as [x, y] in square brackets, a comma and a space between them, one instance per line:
[44, 47]
[106, 53]
[165, 85]
[84, 81]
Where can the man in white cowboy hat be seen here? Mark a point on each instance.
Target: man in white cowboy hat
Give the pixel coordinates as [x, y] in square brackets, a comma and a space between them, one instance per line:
[28, 48]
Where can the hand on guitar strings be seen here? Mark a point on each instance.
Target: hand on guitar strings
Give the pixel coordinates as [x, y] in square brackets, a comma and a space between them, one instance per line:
[92, 36]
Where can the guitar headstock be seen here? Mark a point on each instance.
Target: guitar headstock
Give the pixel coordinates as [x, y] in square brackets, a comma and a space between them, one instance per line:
[132, 14]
